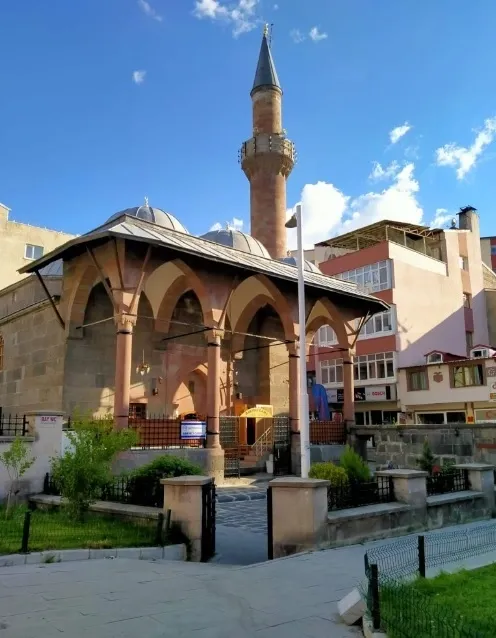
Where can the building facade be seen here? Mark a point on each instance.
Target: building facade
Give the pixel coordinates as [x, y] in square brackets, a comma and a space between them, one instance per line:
[436, 285]
[488, 252]
[21, 244]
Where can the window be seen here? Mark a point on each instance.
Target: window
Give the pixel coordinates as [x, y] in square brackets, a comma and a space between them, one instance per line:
[439, 418]
[463, 262]
[332, 371]
[373, 277]
[374, 366]
[327, 336]
[1, 352]
[137, 410]
[435, 357]
[33, 252]
[417, 380]
[465, 375]
[493, 249]
[469, 339]
[377, 325]
[467, 300]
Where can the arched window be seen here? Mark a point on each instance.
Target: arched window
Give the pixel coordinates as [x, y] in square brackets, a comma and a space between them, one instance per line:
[1, 352]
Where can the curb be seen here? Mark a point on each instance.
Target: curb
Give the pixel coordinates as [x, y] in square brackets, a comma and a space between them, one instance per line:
[170, 553]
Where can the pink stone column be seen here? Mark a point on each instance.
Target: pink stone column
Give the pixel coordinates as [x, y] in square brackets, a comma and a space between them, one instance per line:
[213, 389]
[349, 389]
[123, 363]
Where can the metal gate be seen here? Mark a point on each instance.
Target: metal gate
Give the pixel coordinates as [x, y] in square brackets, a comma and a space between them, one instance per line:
[270, 535]
[282, 446]
[208, 522]
[229, 440]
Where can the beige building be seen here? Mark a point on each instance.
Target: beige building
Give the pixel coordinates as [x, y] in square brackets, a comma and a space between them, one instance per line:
[21, 244]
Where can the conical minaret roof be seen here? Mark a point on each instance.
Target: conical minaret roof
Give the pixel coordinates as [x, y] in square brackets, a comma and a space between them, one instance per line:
[266, 74]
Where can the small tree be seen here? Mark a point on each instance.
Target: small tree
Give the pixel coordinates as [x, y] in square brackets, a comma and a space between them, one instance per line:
[17, 461]
[85, 468]
[426, 461]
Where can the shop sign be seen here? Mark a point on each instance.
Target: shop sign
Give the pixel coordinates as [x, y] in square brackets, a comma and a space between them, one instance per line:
[193, 430]
[369, 393]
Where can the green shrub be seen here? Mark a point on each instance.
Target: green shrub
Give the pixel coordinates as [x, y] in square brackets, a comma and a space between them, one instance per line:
[355, 467]
[426, 461]
[329, 472]
[144, 483]
[85, 468]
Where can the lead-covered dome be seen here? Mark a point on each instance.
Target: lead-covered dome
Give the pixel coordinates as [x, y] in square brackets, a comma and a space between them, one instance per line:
[153, 215]
[238, 240]
[308, 264]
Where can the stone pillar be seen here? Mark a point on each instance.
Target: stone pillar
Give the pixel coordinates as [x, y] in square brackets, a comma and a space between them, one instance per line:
[348, 389]
[294, 412]
[299, 515]
[481, 479]
[44, 429]
[215, 455]
[410, 486]
[123, 362]
[183, 497]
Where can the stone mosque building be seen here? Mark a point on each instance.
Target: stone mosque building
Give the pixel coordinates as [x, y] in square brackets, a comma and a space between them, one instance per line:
[138, 317]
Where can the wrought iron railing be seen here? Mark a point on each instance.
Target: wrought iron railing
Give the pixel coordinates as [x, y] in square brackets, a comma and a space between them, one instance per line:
[13, 425]
[327, 433]
[356, 494]
[446, 481]
[162, 433]
[263, 444]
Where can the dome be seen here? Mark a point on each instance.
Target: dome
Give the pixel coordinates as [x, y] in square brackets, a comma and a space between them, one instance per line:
[238, 240]
[153, 215]
[308, 264]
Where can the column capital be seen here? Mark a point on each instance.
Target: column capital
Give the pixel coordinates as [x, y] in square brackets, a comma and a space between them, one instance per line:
[125, 322]
[215, 336]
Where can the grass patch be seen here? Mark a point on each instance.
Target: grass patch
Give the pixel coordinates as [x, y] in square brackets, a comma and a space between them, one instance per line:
[459, 605]
[53, 529]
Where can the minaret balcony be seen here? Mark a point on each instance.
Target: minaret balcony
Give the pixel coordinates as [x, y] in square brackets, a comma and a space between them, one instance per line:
[264, 143]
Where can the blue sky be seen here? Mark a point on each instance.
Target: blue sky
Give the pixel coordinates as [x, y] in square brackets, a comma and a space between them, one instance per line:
[83, 135]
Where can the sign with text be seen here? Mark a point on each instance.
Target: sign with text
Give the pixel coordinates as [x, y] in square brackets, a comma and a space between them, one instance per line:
[48, 420]
[369, 393]
[192, 429]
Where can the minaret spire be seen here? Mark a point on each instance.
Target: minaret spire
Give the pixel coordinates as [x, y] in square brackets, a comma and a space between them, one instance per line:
[268, 157]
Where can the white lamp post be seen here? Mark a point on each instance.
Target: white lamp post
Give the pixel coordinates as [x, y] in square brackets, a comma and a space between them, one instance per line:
[295, 222]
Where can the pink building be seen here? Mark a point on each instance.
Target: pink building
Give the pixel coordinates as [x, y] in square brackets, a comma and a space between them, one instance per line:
[433, 280]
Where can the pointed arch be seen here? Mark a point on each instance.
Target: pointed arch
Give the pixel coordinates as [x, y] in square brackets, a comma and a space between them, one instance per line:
[325, 313]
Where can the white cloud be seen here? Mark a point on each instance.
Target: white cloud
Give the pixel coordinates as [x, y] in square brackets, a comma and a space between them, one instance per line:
[241, 15]
[441, 218]
[276, 7]
[379, 172]
[463, 158]
[148, 10]
[327, 211]
[398, 132]
[139, 77]
[234, 224]
[297, 36]
[317, 35]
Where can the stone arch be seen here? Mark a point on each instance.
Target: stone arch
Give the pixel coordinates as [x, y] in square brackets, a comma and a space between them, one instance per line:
[179, 278]
[325, 313]
[80, 294]
[250, 296]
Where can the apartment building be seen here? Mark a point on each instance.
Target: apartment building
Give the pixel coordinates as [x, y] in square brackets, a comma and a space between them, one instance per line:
[21, 243]
[488, 252]
[435, 283]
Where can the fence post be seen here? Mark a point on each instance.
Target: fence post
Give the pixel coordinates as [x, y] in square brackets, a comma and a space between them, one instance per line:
[25, 533]
[421, 555]
[159, 537]
[366, 560]
[270, 530]
[374, 592]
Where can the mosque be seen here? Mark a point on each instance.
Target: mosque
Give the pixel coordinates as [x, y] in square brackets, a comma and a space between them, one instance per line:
[141, 318]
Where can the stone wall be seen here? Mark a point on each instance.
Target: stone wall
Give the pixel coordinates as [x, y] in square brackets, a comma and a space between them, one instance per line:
[402, 446]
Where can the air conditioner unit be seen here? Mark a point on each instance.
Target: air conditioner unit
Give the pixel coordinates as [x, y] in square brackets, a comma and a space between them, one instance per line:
[435, 357]
[481, 353]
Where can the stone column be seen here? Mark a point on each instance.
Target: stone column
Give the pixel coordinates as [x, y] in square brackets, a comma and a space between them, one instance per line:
[348, 389]
[481, 479]
[294, 410]
[123, 362]
[410, 486]
[183, 497]
[299, 515]
[215, 455]
[45, 435]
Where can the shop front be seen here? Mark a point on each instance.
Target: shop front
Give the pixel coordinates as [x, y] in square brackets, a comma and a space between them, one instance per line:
[374, 404]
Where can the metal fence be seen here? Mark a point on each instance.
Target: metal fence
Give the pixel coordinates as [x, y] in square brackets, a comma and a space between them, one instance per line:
[13, 424]
[397, 606]
[354, 494]
[327, 433]
[446, 481]
[161, 433]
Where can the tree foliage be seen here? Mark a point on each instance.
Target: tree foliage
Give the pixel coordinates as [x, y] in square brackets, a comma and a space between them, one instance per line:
[85, 468]
[17, 460]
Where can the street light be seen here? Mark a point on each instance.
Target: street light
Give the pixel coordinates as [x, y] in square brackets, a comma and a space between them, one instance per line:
[295, 222]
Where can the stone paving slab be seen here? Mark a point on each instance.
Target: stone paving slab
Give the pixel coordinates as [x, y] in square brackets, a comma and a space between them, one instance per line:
[246, 515]
[230, 495]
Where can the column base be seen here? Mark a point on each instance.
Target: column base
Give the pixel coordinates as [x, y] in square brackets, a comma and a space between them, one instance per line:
[296, 453]
[214, 464]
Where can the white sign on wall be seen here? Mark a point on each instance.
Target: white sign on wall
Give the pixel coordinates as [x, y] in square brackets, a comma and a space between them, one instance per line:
[45, 420]
[193, 430]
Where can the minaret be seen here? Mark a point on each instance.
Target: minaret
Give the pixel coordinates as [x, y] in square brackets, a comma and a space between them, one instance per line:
[268, 157]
